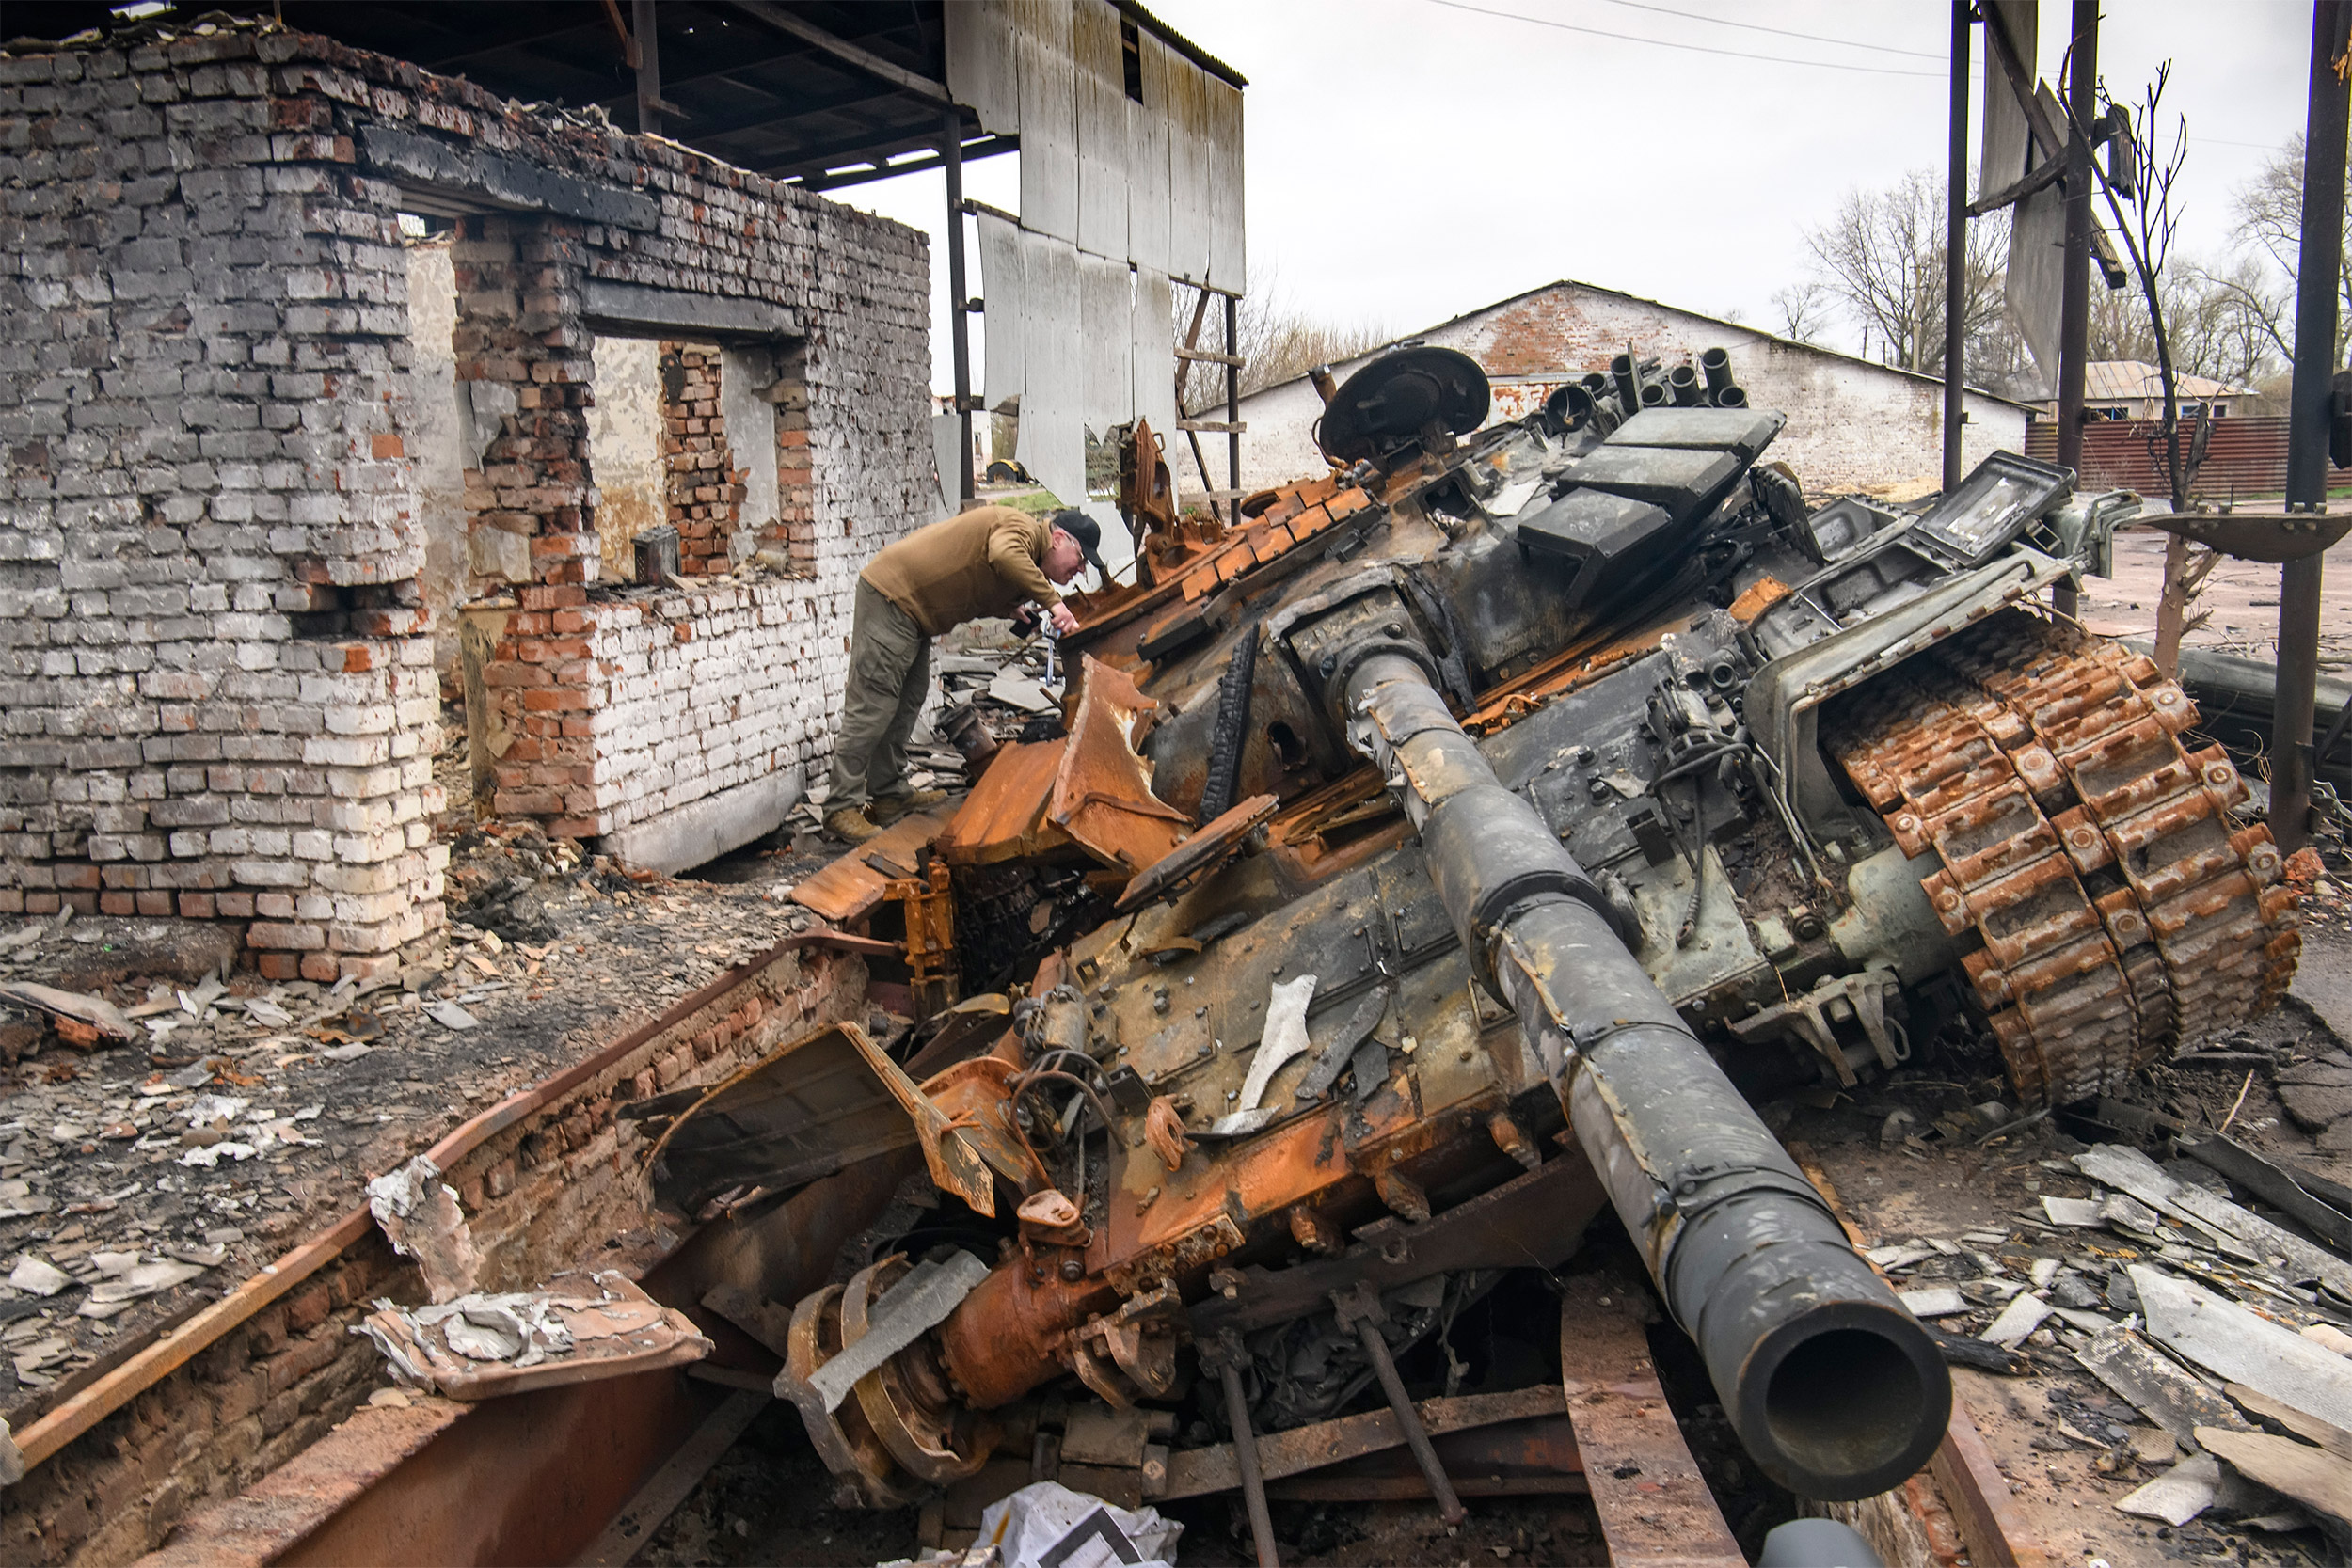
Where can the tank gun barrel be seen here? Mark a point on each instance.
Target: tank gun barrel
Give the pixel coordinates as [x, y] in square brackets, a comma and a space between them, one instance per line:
[1835, 1390]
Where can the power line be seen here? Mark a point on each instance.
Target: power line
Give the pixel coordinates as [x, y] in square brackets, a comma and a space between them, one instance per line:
[1782, 32]
[1691, 48]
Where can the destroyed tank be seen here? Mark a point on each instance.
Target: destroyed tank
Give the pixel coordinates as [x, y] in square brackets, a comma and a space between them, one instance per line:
[1417, 865]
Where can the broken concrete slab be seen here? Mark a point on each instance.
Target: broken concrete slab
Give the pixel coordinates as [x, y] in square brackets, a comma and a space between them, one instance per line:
[2313, 1107]
[2179, 1495]
[2227, 1340]
[2154, 1385]
[2318, 1480]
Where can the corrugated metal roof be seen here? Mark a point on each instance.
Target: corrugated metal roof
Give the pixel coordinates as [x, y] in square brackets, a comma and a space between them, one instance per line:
[2106, 380]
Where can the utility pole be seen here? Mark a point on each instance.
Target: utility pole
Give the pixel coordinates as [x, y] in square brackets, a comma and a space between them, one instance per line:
[2307, 410]
[2082, 107]
[959, 308]
[1956, 250]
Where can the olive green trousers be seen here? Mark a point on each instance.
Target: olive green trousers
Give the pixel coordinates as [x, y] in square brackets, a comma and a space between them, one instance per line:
[890, 674]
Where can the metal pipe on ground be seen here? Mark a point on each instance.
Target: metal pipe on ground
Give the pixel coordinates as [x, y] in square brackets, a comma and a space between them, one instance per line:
[1834, 1389]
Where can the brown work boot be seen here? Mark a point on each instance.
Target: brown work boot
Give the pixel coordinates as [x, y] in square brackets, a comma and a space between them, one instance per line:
[889, 808]
[851, 823]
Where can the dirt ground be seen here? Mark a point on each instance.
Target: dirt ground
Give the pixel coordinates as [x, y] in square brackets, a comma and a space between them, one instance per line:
[252, 1115]
[2240, 599]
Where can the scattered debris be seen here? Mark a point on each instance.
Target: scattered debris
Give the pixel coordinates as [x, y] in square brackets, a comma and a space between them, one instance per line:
[476, 1347]
[81, 1020]
[421, 1218]
[1046, 1522]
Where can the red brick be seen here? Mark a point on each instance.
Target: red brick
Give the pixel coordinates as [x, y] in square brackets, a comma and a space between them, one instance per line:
[202, 905]
[234, 906]
[385, 444]
[320, 966]
[279, 966]
[117, 903]
[306, 1311]
[153, 902]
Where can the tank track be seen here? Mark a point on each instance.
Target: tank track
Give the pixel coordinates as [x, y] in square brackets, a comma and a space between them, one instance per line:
[2120, 913]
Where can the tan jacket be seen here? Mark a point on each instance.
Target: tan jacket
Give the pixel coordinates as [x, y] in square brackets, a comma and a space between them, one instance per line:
[984, 562]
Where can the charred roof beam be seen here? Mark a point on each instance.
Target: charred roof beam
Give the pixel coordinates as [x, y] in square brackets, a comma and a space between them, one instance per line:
[899, 76]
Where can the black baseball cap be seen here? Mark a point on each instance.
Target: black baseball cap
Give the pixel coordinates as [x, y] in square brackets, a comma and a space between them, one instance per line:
[1088, 533]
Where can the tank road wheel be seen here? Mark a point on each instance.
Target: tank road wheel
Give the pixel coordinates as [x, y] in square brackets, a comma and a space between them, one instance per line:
[863, 1471]
[906, 1399]
[2120, 911]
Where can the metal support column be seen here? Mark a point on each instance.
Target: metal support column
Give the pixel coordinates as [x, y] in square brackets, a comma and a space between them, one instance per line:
[959, 302]
[1232, 404]
[648, 69]
[2307, 408]
[2082, 107]
[1956, 251]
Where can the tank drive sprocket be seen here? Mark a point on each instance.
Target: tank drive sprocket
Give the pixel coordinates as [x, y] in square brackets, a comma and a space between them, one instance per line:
[2120, 910]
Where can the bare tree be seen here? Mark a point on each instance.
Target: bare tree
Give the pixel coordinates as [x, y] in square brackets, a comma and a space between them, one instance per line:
[2139, 195]
[2270, 213]
[1881, 256]
[1278, 340]
[1803, 308]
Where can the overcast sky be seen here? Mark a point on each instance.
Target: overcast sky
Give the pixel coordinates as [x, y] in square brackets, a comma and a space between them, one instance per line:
[1411, 160]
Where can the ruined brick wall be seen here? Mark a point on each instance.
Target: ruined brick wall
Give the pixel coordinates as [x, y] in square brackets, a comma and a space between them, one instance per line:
[1851, 424]
[217, 683]
[216, 661]
[676, 697]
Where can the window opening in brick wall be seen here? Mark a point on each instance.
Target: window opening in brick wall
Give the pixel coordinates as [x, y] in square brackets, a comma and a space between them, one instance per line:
[626, 437]
[434, 429]
[734, 452]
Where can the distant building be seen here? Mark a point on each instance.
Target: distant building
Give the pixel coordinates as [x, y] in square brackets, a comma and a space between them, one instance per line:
[2134, 390]
[1851, 423]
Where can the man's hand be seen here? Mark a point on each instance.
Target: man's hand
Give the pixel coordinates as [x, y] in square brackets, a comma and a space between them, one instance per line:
[1063, 620]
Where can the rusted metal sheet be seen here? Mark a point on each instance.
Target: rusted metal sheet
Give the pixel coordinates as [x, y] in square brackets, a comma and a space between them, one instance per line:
[825, 1102]
[530, 1480]
[261, 1523]
[2243, 456]
[1653, 1503]
[1192, 1472]
[614, 1328]
[1198, 855]
[1535, 1457]
[1103, 790]
[1003, 816]
[849, 888]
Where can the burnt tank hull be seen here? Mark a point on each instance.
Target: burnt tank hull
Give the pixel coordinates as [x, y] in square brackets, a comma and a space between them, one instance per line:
[1419, 852]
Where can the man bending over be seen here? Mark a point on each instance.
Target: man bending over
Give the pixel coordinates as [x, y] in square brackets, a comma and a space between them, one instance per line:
[981, 563]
